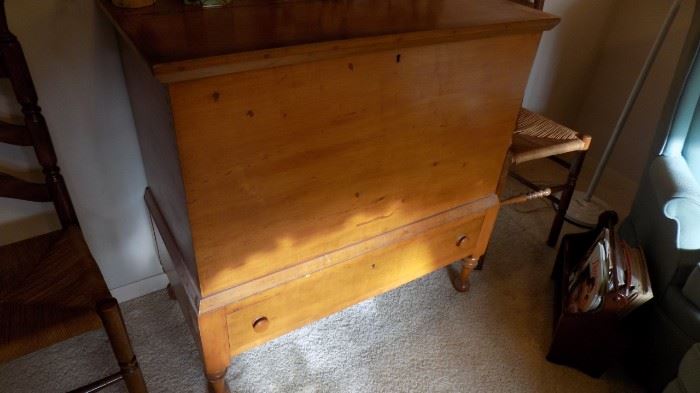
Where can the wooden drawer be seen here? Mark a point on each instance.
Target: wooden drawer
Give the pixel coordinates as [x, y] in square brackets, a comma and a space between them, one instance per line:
[299, 302]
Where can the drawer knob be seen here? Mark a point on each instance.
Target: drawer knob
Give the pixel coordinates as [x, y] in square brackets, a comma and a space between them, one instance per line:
[261, 324]
[462, 240]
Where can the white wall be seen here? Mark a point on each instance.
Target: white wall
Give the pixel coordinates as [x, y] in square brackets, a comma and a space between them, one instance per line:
[72, 54]
[634, 28]
[567, 56]
[585, 69]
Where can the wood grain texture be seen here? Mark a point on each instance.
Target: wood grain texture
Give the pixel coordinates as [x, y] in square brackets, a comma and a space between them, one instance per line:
[334, 257]
[281, 165]
[49, 286]
[113, 322]
[305, 155]
[460, 279]
[215, 349]
[315, 296]
[486, 230]
[182, 42]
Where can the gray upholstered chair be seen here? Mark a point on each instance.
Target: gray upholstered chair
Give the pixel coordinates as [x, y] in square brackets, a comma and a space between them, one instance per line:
[665, 221]
[688, 379]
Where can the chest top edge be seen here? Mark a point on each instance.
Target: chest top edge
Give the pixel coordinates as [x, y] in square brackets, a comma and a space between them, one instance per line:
[182, 42]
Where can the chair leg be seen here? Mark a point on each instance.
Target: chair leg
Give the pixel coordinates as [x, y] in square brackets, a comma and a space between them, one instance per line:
[171, 292]
[565, 199]
[111, 316]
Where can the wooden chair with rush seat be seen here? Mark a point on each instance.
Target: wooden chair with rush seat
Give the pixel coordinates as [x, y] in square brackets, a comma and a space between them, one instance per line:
[50, 286]
[538, 137]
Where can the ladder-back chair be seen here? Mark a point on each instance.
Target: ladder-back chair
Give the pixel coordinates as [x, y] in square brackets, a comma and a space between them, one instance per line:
[50, 286]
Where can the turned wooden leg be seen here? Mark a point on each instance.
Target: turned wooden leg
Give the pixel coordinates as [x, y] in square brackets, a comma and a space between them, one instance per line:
[480, 264]
[215, 349]
[565, 199]
[171, 292]
[460, 280]
[216, 382]
[111, 317]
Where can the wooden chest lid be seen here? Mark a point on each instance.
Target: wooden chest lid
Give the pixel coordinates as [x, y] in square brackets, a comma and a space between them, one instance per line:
[183, 42]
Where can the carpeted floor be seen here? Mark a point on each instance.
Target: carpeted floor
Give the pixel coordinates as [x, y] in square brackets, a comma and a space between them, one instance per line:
[422, 337]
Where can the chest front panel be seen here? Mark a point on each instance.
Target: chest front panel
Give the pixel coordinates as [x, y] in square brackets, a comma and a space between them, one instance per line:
[284, 164]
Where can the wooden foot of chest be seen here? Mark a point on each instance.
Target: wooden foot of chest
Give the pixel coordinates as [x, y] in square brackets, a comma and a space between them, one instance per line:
[460, 279]
[171, 292]
[216, 383]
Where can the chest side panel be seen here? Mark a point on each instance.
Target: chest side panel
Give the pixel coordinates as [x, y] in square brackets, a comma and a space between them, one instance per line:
[153, 119]
[285, 164]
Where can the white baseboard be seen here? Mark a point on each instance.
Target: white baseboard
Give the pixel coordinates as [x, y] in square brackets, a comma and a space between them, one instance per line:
[140, 288]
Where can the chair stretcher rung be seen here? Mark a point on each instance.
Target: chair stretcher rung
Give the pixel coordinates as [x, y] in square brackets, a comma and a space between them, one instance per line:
[533, 186]
[560, 161]
[14, 134]
[521, 155]
[12, 187]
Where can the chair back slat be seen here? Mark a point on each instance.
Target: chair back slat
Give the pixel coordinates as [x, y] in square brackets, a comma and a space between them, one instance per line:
[15, 67]
[12, 187]
[14, 135]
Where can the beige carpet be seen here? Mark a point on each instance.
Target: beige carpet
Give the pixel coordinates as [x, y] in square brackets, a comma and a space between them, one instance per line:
[422, 337]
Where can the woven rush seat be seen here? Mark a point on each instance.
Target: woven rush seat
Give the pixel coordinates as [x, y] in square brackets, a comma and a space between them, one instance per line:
[49, 289]
[537, 137]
